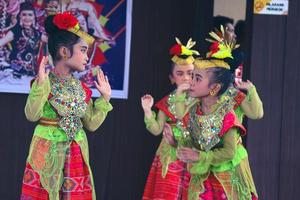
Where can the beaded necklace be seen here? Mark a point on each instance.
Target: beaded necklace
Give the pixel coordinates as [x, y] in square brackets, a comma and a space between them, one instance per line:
[172, 108]
[172, 100]
[68, 98]
[204, 129]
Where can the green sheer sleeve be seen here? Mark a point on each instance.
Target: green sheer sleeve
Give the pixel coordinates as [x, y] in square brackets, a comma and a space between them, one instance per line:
[155, 124]
[217, 156]
[96, 113]
[36, 100]
[252, 105]
[181, 108]
[201, 169]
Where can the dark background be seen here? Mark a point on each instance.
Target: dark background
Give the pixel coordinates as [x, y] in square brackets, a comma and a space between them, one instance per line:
[122, 150]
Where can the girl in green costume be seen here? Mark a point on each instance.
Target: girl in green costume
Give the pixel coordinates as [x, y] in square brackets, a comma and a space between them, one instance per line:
[217, 162]
[168, 177]
[58, 162]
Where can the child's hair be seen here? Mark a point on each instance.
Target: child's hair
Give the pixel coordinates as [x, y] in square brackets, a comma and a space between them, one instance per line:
[240, 30]
[221, 76]
[58, 38]
[236, 61]
[221, 20]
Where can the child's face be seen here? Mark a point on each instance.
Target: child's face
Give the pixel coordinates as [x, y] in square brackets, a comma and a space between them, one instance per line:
[79, 59]
[230, 31]
[52, 7]
[182, 74]
[200, 83]
[27, 18]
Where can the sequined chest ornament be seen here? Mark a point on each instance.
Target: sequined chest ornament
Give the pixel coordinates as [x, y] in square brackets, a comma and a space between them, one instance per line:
[69, 101]
[204, 129]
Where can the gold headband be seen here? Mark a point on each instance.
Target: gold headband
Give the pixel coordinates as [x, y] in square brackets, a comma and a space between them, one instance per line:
[205, 63]
[67, 21]
[183, 61]
[83, 35]
[179, 50]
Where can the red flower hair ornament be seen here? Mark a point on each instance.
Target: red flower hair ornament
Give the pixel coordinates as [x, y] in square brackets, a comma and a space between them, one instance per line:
[67, 21]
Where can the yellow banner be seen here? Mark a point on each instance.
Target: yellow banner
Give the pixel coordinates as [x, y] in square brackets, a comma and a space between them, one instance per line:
[271, 7]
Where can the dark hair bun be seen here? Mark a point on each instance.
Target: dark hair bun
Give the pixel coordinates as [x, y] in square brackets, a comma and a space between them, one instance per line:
[238, 59]
[50, 26]
[26, 6]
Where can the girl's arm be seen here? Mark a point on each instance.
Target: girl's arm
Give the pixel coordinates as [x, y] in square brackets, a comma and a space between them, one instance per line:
[38, 94]
[252, 105]
[180, 97]
[202, 161]
[7, 38]
[96, 113]
[155, 124]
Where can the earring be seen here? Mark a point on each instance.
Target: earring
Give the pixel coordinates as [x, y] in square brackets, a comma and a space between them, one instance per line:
[65, 57]
[212, 93]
